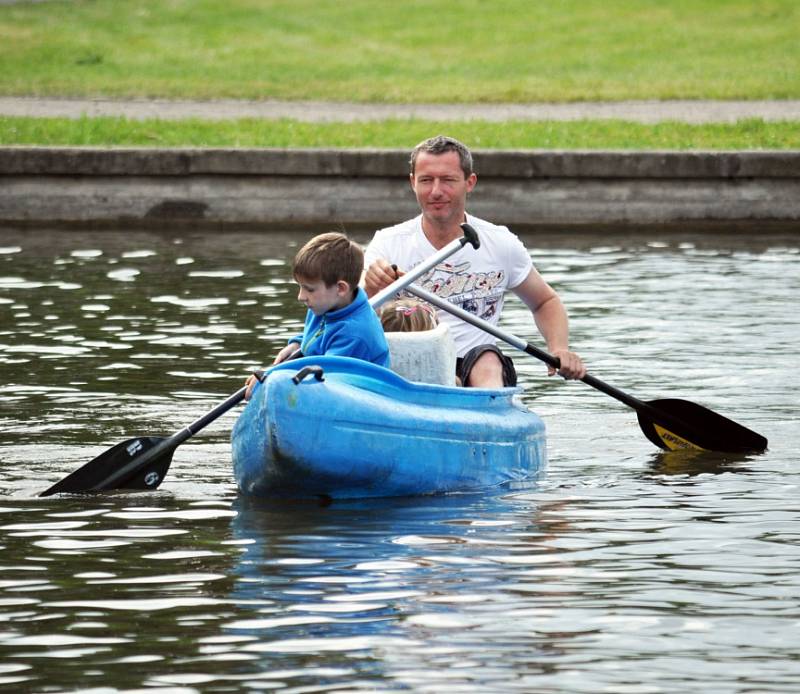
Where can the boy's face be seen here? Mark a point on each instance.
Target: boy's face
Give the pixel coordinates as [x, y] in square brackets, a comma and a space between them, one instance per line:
[320, 298]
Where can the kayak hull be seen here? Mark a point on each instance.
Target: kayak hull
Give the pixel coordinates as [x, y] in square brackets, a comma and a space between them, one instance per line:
[350, 429]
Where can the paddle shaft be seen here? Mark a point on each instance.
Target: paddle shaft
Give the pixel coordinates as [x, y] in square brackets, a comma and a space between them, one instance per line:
[470, 236]
[540, 354]
[170, 444]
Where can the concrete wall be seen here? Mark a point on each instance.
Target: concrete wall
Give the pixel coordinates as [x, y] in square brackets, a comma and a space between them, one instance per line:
[326, 189]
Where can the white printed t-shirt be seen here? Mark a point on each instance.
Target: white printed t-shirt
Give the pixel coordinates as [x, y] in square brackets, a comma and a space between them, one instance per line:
[473, 279]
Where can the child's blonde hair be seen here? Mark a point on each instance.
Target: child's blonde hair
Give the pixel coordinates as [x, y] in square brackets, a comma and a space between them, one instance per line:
[330, 257]
[407, 315]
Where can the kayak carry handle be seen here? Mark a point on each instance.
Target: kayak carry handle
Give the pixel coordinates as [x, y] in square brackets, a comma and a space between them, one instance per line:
[317, 372]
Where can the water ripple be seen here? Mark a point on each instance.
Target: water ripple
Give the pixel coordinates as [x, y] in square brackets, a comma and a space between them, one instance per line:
[624, 569]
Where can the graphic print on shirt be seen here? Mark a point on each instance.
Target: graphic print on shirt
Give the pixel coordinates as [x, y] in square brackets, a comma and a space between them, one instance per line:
[478, 293]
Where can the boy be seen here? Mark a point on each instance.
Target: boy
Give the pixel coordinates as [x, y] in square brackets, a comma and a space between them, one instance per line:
[339, 320]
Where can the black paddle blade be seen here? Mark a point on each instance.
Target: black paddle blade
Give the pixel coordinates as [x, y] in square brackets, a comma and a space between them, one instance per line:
[95, 475]
[674, 424]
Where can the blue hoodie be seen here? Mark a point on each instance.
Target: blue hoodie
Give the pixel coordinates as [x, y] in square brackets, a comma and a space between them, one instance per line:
[353, 331]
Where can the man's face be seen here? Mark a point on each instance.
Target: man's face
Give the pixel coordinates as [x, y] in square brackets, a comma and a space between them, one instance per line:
[321, 298]
[441, 188]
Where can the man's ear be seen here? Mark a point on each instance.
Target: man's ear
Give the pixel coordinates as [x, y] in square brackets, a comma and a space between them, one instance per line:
[472, 179]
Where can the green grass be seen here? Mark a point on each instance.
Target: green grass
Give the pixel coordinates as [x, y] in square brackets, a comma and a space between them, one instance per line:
[746, 134]
[402, 52]
[414, 50]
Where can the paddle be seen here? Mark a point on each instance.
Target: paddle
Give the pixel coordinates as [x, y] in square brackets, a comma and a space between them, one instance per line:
[139, 463]
[142, 462]
[670, 424]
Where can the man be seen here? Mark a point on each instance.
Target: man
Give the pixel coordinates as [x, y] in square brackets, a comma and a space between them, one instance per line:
[441, 178]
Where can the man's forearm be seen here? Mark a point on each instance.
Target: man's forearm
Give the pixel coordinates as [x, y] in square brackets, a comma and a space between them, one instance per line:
[552, 321]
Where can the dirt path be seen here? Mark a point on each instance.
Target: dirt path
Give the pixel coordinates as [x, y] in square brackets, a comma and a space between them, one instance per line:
[639, 111]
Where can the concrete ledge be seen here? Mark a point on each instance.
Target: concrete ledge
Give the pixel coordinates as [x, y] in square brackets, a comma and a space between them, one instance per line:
[271, 188]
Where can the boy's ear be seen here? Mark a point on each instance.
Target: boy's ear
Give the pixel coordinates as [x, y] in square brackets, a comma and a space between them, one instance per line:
[343, 288]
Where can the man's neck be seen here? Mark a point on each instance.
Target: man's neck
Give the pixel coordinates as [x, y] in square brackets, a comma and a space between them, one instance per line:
[440, 235]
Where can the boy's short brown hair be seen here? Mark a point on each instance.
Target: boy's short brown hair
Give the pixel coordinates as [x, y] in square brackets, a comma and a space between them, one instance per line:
[330, 257]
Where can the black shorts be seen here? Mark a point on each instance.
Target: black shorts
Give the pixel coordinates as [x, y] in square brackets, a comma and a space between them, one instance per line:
[464, 364]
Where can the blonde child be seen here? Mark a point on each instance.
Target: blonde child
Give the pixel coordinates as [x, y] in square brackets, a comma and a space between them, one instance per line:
[407, 315]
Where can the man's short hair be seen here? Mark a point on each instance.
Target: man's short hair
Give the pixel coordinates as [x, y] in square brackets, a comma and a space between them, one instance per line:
[330, 257]
[441, 144]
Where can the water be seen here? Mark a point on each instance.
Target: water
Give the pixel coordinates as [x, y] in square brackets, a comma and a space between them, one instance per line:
[623, 570]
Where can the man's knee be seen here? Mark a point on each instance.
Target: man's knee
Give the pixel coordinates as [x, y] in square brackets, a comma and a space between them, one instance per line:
[486, 366]
[487, 372]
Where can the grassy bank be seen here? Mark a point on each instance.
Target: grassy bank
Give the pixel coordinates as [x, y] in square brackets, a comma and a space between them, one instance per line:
[749, 134]
[417, 50]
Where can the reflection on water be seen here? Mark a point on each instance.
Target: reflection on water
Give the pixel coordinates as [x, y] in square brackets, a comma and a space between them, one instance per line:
[694, 462]
[625, 569]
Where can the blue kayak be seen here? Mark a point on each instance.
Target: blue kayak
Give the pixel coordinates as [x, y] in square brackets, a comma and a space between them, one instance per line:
[344, 428]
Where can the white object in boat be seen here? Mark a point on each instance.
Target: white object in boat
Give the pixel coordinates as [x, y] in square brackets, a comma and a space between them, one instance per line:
[425, 356]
